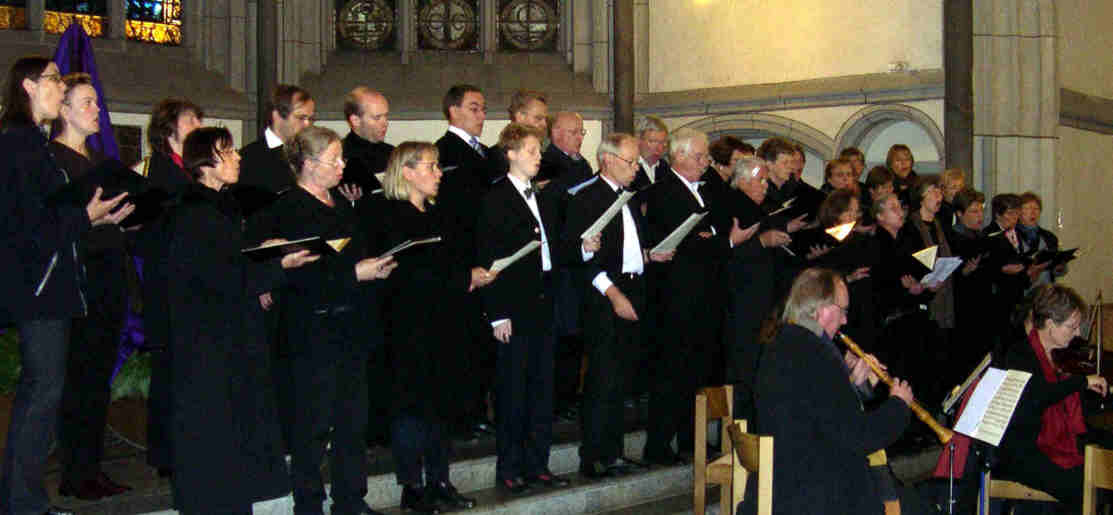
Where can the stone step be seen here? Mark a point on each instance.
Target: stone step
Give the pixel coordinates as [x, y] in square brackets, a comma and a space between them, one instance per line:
[478, 476]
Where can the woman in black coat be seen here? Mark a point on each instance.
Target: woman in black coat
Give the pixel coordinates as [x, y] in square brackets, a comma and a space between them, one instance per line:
[426, 322]
[330, 321]
[1041, 447]
[38, 252]
[95, 339]
[224, 438]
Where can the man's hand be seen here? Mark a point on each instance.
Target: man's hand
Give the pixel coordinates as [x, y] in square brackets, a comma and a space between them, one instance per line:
[593, 243]
[739, 236]
[481, 277]
[860, 273]
[503, 331]
[661, 257]
[622, 306]
[901, 390]
[266, 301]
[818, 250]
[797, 223]
[1012, 269]
[971, 265]
[299, 258]
[375, 268]
[912, 285]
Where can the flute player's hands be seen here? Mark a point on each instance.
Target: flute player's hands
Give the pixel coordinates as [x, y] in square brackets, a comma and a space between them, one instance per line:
[902, 391]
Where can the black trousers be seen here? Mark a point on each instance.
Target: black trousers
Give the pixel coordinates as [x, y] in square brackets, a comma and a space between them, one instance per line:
[612, 345]
[421, 450]
[93, 350]
[681, 366]
[524, 404]
[330, 391]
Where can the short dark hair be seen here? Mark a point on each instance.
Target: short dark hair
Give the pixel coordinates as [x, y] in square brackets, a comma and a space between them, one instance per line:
[513, 135]
[722, 148]
[284, 99]
[202, 146]
[966, 198]
[1031, 196]
[455, 96]
[521, 98]
[920, 188]
[1057, 303]
[878, 176]
[850, 152]
[164, 122]
[773, 147]
[72, 80]
[1004, 202]
[834, 206]
[17, 103]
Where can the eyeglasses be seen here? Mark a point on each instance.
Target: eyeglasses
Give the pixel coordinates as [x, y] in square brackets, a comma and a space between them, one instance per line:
[629, 162]
[52, 77]
[339, 161]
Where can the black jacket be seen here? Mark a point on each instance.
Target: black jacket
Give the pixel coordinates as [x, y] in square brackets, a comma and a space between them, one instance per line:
[467, 176]
[223, 409]
[585, 207]
[505, 225]
[363, 159]
[806, 402]
[38, 238]
[164, 173]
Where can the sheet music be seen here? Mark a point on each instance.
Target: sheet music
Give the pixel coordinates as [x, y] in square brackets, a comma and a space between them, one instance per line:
[380, 176]
[501, 264]
[677, 235]
[409, 243]
[992, 404]
[607, 215]
[944, 267]
[787, 204]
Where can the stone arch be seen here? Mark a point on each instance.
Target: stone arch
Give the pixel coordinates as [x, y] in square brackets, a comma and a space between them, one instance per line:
[760, 125]
[862, 127]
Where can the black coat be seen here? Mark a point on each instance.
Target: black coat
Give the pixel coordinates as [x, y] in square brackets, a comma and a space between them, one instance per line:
[806, 402]
[363, 159]
[264, 167]
[426, 323]
[584, 208]
[505, 225]
[1008, 288]
[327, 284]
[807, 200]
[164, 173]
[562, 170]
[225, 436]
[38, 239]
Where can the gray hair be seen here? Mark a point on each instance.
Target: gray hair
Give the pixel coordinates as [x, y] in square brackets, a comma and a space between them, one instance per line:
[812, 289]
[612, 144]
[680, 141]
[650, 123]
[745, 170]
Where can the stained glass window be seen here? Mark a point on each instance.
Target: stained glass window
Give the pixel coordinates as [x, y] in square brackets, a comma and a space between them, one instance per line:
[91, 14]
[155, 21]
[448, 24]
[368, 24]
[528, 25]
[13, 14]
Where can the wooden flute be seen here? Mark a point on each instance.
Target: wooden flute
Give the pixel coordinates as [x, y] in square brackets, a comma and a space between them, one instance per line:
[943, 433]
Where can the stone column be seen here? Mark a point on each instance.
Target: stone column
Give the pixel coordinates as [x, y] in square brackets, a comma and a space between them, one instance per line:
[1016, 100]
[641, 46]
[958, 61]
[601, 46]
[266, 56]
[623, 65]
[117, 17]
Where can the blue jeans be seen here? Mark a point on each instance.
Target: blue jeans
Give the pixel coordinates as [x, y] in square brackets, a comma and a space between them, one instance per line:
[42, 348]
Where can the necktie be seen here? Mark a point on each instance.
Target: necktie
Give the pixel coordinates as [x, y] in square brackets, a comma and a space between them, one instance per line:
[475, 145]
[529, 191]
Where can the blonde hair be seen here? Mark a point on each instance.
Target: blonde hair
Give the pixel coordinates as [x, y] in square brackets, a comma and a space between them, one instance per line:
[395, 185]
[309, 143]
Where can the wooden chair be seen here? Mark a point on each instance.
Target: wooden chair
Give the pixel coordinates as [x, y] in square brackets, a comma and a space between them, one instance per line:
[1002, 489]
[711, 404]
[755, 456]
[1096, 473]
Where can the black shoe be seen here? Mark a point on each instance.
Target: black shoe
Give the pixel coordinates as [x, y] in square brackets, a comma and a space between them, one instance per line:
[417, 500]
[444, 493]
[666, 460]
[548, 479]
[514, 486]
[595, 470]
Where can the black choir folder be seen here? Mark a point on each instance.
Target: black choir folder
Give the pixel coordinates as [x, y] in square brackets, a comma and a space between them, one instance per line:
[114, 178]
[314, 244]
[1055, 258]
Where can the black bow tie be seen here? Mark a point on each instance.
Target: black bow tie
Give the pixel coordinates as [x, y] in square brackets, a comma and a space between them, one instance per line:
[529, 191]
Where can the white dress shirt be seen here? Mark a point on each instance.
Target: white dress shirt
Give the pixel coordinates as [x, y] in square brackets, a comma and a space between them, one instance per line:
[632, 262]
[273, 141]
[650, 171]
[531, 201]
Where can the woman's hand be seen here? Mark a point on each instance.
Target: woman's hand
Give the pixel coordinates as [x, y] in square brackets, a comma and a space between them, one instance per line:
[299, 258]
[912, 285]
[971, 265]
[1012, 269]
[375, 268]
[101, 212]
[860, 273]
[1097, 383]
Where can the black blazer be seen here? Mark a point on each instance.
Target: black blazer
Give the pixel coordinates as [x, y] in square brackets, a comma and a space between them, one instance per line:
[585, 207]
[806, 402]
[564, 171]
[164, 173]
[467, 177]
[265, 167]
[669, 203]
[505, 225]
[363, 160]
[1008, 288]
[641, 178]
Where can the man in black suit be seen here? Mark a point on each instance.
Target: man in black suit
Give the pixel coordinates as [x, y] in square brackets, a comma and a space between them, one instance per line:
[784, 185]
[615, 298]
[653, 144]
[467, 177]
[366, 154]
[529, 108]
[690, 294]
[520, 308]
[291, 109]
[562, 163]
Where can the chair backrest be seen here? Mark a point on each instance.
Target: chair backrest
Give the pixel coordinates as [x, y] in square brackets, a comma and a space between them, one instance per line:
[712, 403]
[755, 455]
[1003, 489]
[1096, 473]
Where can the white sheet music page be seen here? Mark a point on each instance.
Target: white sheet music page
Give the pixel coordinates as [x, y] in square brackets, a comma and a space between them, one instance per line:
[991, 406]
